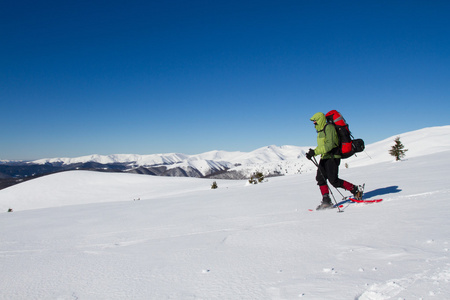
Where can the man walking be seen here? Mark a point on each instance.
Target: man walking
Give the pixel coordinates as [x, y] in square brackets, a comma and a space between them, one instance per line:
[328, 169]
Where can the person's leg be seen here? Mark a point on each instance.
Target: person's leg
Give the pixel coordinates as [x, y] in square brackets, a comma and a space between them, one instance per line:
[321, 178]
[332, 169]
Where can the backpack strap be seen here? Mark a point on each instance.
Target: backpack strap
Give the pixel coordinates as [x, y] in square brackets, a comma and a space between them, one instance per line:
[336, 150]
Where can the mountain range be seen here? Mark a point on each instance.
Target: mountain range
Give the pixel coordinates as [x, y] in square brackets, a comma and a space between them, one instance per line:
[271, 160]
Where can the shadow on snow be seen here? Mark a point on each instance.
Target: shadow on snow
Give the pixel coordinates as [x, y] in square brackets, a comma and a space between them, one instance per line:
[382, 191]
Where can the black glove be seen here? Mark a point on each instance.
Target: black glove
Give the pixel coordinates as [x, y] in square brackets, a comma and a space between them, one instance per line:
[310, 154]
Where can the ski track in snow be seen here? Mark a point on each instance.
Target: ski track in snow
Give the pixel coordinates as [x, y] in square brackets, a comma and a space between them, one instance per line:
[439, 281]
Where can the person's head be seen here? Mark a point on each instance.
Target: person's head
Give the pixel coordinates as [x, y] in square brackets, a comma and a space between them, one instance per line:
[319, 121]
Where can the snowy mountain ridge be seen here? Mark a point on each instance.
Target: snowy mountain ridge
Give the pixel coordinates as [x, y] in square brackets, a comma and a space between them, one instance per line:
[198, 165]
[270, 160]
[261, 155]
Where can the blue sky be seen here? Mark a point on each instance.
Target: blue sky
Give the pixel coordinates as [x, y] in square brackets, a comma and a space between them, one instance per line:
[145, 77]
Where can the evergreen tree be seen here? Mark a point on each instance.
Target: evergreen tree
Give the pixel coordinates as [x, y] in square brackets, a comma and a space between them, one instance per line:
[256, 177]
[398, 149]
[259, 176]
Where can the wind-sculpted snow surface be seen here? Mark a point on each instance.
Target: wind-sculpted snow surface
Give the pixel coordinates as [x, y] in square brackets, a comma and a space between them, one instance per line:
[127, 236]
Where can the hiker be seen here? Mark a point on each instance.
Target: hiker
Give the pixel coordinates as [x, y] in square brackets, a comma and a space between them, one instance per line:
[328, 168]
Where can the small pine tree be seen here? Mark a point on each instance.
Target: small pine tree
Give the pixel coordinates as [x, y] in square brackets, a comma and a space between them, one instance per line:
[256, 177]
[259, 176]
[398, 150]
[214, 185]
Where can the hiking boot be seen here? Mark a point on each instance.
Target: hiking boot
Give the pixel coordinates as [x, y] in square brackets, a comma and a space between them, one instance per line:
[357, 192]
[326, 203]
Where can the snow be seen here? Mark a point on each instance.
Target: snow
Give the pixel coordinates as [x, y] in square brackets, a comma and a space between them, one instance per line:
[281, 160]
[205, 163]
[141, 160]
[93, 235]
[419, 142]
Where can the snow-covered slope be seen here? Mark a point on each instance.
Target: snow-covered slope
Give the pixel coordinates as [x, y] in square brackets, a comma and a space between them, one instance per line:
[270, 160]
[420, 142]
[83, 187]
[92, 235]
[262, 155]
[153, 159]
[266, 159]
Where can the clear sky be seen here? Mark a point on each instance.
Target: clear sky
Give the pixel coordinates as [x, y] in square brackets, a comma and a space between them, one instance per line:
[145, 77]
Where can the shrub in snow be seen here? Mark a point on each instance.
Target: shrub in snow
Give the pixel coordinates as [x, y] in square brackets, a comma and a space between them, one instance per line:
[214, 185]
[398, 150]
[256, 177]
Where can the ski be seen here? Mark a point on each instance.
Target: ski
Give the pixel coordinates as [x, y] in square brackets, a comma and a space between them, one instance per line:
[365, 200]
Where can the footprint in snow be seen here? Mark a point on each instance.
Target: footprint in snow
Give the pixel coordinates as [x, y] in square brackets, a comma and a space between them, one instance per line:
[329, 270]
